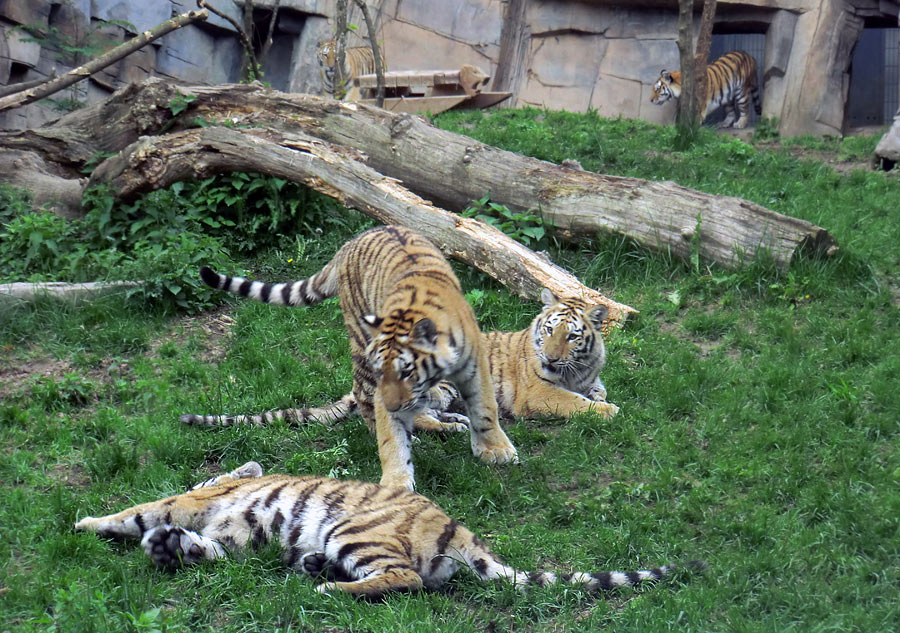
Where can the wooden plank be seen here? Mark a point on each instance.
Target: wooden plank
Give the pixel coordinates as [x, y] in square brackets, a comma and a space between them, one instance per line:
[413, 105]
[485, 100]
[403, 78]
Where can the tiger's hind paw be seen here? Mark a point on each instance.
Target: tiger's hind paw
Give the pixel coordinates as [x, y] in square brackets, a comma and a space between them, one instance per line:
[452, 422]
[315, 564]
[170, 546]
[441, 422]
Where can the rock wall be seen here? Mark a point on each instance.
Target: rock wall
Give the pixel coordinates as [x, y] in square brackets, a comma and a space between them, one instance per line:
[562, 54]
[205, 53]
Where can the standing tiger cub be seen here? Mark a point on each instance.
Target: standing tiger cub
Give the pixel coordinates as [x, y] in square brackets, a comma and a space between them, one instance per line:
[730, 83]
[365, 538]
[410, 328]
[358, 60]
[552, 367]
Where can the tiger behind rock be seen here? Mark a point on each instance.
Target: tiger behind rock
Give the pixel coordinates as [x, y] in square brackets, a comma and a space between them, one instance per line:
[358, 60]
[368, 539]
[552, 367]
[730, 82]
[409, 328]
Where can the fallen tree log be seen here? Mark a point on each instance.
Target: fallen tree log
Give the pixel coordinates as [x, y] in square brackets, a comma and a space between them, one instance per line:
[452, 170]
[156, 162]
[50, 186]
[23, 291]
[447, 168]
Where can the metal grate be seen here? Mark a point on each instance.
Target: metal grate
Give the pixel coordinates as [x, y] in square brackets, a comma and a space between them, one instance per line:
[753, 43]
[874, 84]
[891, 73]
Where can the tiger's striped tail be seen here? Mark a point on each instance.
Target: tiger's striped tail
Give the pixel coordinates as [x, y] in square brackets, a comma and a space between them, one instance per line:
[757, 102]
[489, 567]
[321, 286]
[329, 414]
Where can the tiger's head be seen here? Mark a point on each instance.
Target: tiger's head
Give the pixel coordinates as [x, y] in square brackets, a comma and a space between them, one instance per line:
[326, 53]
[408, 358]
[668, 86]
[567, 337]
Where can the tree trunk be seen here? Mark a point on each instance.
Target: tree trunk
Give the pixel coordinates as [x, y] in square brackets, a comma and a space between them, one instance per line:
[153, 163]
[701, 55]
[449, 169]
[686, 119]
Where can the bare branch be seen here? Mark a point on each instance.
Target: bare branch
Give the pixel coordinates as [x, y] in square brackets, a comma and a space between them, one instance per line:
[267, 44]
[376, 52]
[242, 34]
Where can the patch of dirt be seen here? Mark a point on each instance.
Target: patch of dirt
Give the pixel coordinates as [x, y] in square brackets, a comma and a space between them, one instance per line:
[212, 329]
[706, 347]
[18, 367]
[73, 475]
[15, 372]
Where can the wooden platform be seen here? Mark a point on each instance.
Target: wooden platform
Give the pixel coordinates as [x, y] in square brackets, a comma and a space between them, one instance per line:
[430, 90]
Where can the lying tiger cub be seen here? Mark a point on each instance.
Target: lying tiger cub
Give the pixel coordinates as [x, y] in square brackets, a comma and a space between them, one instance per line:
[366, 538]
[552, 367]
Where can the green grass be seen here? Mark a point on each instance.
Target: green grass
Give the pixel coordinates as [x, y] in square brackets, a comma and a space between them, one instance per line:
[758, 429]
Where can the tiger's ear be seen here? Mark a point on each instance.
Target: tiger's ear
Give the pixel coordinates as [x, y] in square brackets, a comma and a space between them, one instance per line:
[371, 322]
[425, 331]
[548, 298]
[665, 74]
[597, 315]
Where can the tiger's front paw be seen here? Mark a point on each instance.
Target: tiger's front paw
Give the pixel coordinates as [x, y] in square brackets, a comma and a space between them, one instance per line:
[398, 481]
[495, 448]
[606, 409]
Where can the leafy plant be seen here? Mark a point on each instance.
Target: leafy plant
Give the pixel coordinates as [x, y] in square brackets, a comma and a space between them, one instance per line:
[35, 242]
[89, 44]
[525, 227]
[766, 129]
[13, 202]
[180, 103]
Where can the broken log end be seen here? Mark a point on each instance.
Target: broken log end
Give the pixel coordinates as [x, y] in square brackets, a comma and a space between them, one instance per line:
[818, 240]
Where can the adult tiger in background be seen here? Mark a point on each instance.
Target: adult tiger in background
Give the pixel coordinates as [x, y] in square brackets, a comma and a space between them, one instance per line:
[358, 60]
[552, 367]
[409, 328]
[364, 538]
[730, 83]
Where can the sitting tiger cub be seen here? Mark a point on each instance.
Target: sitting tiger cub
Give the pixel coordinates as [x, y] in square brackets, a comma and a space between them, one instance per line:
[551, 367]
[410, 328]
[366, 538]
